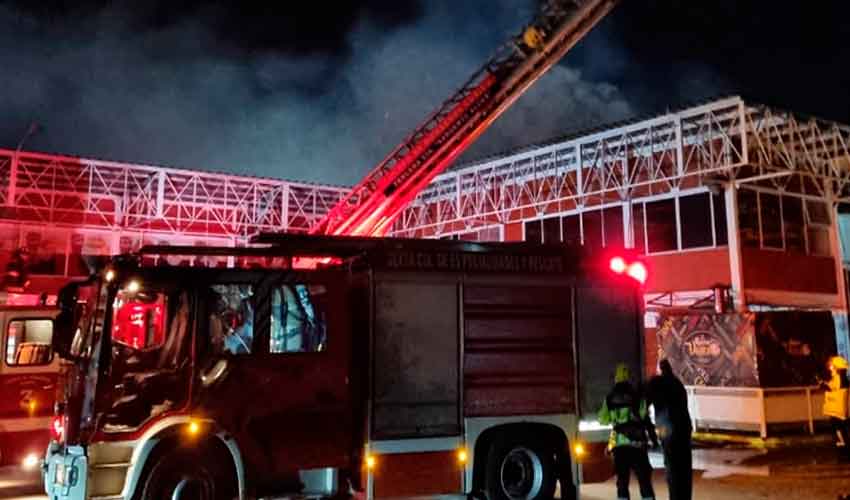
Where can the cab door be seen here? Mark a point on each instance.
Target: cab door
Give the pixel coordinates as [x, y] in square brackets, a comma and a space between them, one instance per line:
[291, 398]
[28, 374]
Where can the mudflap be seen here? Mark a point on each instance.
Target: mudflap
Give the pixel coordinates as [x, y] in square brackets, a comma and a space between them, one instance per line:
[65, 473]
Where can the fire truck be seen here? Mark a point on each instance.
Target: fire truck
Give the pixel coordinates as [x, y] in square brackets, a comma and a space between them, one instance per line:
[28, 378]
[399, 367]
[333, 363]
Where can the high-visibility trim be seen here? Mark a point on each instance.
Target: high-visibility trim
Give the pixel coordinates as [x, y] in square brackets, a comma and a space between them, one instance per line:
[415, 445]
[25, 424]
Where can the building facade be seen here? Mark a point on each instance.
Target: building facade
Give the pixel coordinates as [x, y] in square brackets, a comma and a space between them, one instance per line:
[734, 205]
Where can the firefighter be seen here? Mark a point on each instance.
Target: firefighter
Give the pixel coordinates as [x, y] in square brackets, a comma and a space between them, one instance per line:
[17, 270]
[626, 411]
[835, 402]
[673, 423]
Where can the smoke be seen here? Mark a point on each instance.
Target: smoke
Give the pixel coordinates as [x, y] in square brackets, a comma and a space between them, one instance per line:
[188, 91]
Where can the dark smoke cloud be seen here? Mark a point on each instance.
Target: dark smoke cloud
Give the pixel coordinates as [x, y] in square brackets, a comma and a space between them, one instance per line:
[254, 92]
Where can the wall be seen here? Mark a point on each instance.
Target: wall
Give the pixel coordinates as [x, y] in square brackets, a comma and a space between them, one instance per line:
[799, 273]
[685, 271]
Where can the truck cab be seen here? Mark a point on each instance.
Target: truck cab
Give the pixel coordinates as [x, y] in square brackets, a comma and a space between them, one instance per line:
[393, 367]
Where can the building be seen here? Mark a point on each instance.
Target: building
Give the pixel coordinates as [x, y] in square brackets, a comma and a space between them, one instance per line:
[734, 204]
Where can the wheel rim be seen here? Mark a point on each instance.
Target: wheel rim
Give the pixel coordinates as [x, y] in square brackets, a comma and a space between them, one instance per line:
[192, 488]
[521, 474]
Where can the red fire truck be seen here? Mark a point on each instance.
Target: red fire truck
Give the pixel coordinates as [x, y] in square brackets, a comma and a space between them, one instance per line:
[28, 374]
[437, 366]
[402, 367]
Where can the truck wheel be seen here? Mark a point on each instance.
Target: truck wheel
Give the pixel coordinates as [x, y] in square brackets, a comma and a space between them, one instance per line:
[520, 468]
[185, 476]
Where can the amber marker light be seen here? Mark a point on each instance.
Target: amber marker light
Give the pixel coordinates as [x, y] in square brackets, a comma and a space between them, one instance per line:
[579, 450]
[193, 428]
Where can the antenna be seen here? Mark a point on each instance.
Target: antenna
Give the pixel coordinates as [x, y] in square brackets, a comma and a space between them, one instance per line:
[33, 129]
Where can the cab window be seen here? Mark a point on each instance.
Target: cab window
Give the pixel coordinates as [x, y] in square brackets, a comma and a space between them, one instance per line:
[28, 342]
[231, 319]
[298, 318]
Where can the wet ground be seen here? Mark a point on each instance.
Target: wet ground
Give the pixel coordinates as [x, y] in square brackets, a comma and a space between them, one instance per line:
[723, 473]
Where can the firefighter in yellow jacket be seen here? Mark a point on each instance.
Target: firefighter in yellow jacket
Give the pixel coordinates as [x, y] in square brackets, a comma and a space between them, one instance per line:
[835, 402]
[626, 411]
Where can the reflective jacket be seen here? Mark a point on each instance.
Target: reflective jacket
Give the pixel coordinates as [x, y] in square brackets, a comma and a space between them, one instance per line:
[627, 412]
[835, 399]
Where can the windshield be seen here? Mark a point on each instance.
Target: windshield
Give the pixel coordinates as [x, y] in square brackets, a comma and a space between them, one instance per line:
[149, 355]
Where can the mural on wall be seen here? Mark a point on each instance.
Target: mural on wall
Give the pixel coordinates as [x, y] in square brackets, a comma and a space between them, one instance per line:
[765, 349]
[710, 349]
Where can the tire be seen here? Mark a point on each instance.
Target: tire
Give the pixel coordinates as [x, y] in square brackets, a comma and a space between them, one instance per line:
[520, 468]
[181, 475]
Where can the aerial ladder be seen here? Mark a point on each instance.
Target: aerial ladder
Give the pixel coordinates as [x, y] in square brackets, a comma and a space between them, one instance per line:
[373, 205]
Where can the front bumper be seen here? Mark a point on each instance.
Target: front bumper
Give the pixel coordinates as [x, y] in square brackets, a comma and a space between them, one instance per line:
[65, 472]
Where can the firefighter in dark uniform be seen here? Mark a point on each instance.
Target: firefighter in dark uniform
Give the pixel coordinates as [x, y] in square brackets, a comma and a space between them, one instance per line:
[673, 423]
[626, 411]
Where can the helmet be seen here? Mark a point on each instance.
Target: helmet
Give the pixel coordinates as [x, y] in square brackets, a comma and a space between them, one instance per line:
[838, 362]
[622, 373]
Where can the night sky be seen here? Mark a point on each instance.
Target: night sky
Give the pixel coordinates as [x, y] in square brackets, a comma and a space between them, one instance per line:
[321, 91]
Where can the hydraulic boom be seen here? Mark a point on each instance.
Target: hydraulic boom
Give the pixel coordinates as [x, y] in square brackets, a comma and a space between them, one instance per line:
[374, 204]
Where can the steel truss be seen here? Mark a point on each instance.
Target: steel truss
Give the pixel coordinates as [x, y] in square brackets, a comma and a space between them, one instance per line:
[57, 190]
[717, 142]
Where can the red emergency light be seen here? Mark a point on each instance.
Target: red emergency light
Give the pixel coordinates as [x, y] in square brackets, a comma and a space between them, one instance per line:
[635, 270]
[57, 428]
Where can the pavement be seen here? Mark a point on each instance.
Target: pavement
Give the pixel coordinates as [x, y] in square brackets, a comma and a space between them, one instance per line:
[709, 439]
[741, 470]
[20, 484]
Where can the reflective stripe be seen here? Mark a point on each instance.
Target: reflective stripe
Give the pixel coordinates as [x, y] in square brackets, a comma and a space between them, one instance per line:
[25, 424]
[415, 445]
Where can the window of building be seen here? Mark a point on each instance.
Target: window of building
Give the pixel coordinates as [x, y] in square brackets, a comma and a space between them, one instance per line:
[748, 215]
[593, 228]
[298, 319]
[492, 233]
[533, 231]
[571, 225]
[818, 227]
[28, 342]
[720, 229]
[612, 220]
[793, 224]
[661, 225]
[695, 214]
[771, 221]
[818, 212]
[552, 230]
